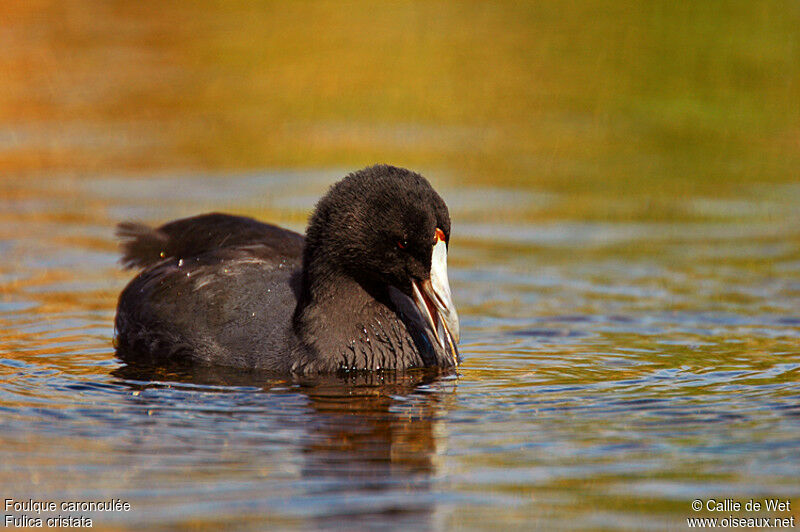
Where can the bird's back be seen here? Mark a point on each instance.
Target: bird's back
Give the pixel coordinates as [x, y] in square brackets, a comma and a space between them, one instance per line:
[216, 289]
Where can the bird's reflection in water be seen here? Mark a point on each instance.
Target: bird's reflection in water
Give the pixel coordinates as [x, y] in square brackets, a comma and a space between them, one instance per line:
[368, 441]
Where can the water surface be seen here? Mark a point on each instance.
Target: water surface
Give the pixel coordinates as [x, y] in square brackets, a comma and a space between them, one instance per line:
[613, 372]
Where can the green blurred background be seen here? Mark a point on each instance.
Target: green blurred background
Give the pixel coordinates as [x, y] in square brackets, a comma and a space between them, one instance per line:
[622, 108]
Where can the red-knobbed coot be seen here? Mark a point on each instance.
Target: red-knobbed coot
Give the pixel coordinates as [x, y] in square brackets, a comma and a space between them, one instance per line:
[366, 289]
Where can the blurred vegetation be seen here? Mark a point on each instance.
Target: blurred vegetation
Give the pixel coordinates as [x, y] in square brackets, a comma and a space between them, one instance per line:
[623, 108]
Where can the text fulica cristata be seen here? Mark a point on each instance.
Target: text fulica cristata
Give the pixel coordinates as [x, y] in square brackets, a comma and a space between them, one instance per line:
[366, 289]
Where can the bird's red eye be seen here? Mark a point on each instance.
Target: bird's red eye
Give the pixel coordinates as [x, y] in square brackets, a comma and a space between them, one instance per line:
[402, 244]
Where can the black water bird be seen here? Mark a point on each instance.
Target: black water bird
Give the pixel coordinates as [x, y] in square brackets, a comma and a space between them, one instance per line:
[366, 289]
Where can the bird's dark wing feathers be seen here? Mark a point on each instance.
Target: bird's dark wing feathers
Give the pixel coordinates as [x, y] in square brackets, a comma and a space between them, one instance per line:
[144, 246]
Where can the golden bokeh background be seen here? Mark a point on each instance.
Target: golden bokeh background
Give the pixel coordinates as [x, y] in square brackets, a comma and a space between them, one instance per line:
[623, 107]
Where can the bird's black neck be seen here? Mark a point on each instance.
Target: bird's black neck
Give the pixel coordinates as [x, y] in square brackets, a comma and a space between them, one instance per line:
[346, 325]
